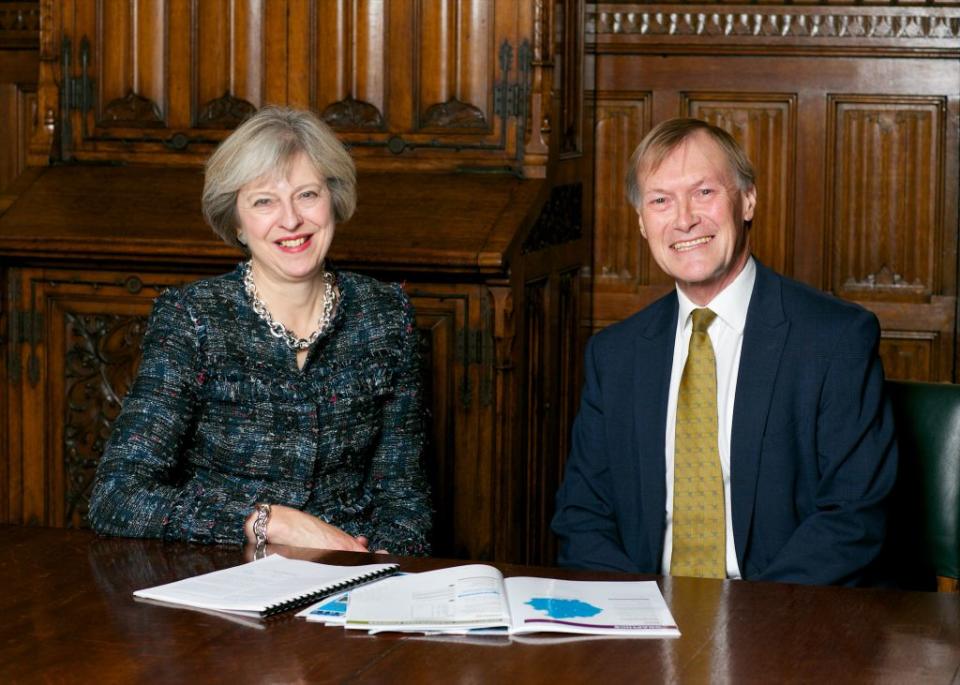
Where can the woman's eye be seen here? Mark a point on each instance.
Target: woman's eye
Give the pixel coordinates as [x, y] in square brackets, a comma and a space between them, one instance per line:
[261, 202]
[308, 195]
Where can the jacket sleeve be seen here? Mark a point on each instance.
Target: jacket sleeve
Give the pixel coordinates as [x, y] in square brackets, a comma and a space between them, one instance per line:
[585, 521]
[857, 463]
[401, 514]
[141, 488]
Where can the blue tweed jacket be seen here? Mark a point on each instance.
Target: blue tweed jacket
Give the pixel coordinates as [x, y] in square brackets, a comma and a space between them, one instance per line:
[220, 417]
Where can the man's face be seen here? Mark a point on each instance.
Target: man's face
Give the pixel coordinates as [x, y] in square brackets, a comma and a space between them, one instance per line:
[692, 214]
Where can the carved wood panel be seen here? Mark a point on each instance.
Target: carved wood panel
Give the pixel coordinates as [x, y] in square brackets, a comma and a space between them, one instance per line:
[407, 83]
[765, 125]
[885, 205]
[621, 260]
[77, 353]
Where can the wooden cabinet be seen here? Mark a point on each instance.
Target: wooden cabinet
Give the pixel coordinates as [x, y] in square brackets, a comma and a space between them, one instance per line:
[409, 84]
[850, 113]
[494, 286]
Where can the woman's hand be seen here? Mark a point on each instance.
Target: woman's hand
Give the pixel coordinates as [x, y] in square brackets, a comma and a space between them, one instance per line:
[362, 539]
[289, 526]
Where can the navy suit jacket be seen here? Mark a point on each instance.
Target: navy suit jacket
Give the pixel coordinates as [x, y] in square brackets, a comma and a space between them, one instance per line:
[813, 455]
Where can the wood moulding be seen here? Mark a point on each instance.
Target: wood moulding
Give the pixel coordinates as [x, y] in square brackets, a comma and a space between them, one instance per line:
[453, 114]
[853, 26]
[132, 110]
[225, 111]
[352, 113]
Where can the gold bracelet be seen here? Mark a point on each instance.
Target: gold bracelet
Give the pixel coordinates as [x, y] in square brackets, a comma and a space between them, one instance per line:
[260, 524]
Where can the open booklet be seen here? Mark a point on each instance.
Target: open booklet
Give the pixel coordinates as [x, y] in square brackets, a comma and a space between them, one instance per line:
[476, 598]
[264, 587]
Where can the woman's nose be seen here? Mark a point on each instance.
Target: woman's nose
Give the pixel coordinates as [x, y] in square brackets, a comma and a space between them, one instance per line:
[291, 217]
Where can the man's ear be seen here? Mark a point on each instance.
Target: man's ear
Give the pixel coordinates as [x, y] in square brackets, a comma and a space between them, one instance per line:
[749, 199]
[643, 231]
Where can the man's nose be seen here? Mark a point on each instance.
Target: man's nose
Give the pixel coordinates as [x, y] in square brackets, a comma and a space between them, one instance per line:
[686, 218]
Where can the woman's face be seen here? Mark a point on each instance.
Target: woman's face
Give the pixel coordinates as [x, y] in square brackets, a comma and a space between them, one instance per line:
[287, 223]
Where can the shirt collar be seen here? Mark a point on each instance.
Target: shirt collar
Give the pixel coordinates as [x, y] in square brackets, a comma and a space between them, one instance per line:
[731, 304]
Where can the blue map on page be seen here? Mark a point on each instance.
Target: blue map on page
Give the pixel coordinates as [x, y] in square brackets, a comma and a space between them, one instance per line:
[563, 608]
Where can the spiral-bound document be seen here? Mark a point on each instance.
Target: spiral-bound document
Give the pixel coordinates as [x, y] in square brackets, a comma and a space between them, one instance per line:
[266, 586]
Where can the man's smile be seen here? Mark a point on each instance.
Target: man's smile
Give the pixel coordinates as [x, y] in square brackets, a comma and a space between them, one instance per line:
[685, 245]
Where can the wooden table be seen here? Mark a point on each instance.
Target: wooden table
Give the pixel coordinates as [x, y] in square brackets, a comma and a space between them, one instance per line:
[68, 616]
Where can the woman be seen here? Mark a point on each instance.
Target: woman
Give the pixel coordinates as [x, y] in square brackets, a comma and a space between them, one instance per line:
[280, 402]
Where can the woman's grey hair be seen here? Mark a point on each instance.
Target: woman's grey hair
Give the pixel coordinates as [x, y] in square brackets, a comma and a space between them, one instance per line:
[265, 145]
[667, 136]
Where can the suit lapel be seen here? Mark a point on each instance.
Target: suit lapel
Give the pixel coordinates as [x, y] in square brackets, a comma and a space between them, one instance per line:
[654, 357]
[764, 336]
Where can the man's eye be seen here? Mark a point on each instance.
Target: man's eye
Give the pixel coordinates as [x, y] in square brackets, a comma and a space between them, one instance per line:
[706, 191]
[658, 201]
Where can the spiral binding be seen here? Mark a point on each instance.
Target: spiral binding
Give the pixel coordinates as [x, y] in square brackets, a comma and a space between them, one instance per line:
[330, 589]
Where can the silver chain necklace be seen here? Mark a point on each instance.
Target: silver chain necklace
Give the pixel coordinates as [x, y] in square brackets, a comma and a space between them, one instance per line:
[331, 296]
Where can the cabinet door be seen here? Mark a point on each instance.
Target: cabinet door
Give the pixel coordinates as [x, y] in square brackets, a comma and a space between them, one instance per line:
[73, 350]
[464, 454]
[411, 83]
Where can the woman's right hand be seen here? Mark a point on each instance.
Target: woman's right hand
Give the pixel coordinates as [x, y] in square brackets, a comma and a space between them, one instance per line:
[289, 526]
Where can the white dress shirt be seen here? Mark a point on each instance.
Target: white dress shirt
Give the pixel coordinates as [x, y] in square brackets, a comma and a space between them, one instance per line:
[726, 335]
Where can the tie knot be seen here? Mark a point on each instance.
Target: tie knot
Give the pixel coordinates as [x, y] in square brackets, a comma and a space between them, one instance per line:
[702, 318]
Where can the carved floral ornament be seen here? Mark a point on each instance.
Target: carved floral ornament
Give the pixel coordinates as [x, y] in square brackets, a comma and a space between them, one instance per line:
[772, 24]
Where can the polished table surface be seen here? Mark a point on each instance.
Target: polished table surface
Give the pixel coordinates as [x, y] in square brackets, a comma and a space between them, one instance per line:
[68, 616]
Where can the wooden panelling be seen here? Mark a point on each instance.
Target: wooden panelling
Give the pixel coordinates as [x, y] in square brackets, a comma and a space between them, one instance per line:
[351, 65]
[408, 84]
[909, 355]
[620, 261]
[850, 114]
[456, 63]
[17, 109]
[886, 199]
[765, 125]
[570, 61]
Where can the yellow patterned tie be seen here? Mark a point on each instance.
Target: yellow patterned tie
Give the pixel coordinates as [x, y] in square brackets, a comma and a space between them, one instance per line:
[699, 535]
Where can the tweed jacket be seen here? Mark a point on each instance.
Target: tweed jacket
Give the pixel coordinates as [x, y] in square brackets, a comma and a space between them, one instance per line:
[220, 417]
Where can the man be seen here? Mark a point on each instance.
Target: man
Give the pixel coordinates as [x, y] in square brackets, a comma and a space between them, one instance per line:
[757, 446]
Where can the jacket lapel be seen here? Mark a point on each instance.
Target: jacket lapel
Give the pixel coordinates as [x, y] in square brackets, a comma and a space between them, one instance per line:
[654, 357]
[764, 336]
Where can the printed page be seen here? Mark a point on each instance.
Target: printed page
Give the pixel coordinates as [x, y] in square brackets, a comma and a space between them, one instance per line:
[458, 598]
[256, 586]
[623, 609]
